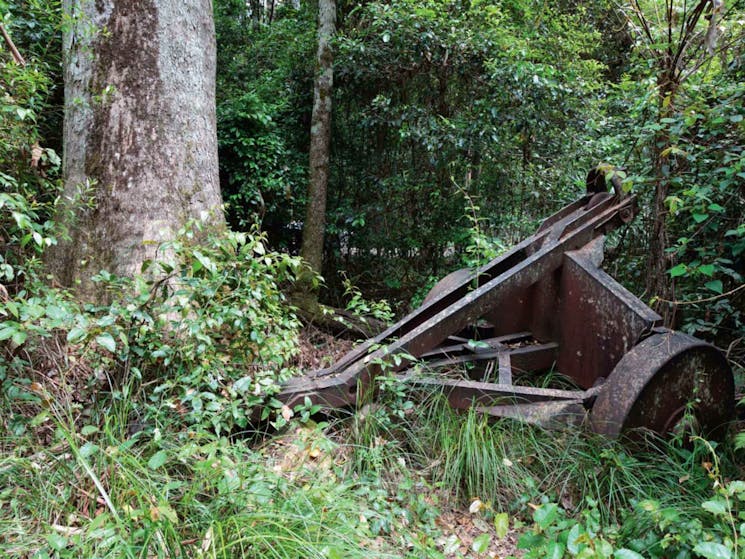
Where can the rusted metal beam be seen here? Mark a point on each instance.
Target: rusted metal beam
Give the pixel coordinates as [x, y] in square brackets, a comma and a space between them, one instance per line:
[463, 394]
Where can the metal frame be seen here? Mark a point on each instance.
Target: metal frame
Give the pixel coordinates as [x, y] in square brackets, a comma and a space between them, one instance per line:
[544, 302]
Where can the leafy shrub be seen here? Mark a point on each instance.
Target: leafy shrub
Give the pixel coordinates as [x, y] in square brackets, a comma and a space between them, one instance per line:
[209, 332]
[214, 334]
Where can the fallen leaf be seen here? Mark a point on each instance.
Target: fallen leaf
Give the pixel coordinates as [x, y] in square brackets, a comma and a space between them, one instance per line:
[287, 413]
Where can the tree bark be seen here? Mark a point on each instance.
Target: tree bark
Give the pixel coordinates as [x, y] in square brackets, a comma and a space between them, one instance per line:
[311, 249]
[140, 141]
[659, 283]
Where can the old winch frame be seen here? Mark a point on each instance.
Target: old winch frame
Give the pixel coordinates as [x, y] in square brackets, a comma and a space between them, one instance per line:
[545, 304]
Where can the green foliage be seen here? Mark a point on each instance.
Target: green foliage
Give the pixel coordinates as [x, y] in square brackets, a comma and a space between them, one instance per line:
[23, 235]
[712, 529]
[215, 333]
[362, 308]
[264, 96]
[209, 331]
[376, 433]
[481, 248]
[426, 97]
[688, 142]
[708, 204]
[443, 94]
[257, 165]
[554, 535]
[27, 170]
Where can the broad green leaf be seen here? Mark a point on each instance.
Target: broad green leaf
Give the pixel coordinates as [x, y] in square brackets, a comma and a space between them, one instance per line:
[555, 550]
[89, 430]
[88, 449]
[54, 312]
[106, 341]
[717, 507]
[679, 270]
[7, 331]
[736, 487]
[529, 540]
[699, 218]
[501, 524]
[573, 543]
[711, 550]
[603, 548]
[546, 514]
[57, 542]
[715, 285]
[205, 261]
[242, 384]
[707, 269]
[624, 553]
[157, 460]
[481, 543]
[76, 335]
[19, 337]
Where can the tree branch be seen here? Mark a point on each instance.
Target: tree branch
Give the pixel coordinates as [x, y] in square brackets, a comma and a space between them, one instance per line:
[13, 50]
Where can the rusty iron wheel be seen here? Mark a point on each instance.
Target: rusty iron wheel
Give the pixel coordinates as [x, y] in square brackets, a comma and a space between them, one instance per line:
[669, 383]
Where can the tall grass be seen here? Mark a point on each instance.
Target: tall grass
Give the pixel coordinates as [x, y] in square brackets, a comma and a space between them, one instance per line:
[511, 464]
[162, 494]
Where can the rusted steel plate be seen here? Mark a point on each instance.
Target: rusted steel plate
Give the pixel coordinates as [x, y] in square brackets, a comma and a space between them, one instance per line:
[585, 224]
[468, 308]
[658, 380]
[600, 319]
[506, 278]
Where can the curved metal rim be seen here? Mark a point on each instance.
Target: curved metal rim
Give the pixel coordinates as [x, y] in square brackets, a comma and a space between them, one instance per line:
[636, 370]
[447, 283]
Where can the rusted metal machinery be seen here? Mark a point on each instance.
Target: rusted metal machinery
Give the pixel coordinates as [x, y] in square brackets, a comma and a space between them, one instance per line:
[545, 306]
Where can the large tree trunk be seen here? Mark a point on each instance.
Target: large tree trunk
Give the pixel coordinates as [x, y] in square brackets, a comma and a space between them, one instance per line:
[311, 249]
[139, 133]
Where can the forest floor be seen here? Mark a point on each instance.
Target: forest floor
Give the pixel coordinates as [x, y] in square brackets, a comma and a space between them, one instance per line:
[297, 454]
[459, 524]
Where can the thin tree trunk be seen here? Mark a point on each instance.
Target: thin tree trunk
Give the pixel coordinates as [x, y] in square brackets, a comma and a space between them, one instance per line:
[140, 143]
[320, 139]
[658, 282]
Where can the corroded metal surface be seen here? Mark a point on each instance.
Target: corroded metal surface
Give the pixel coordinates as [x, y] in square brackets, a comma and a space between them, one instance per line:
[600, 319]
[544, 305]
[661, 380]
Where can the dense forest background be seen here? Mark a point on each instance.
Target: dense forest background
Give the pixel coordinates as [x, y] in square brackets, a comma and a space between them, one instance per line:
[456, 126]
